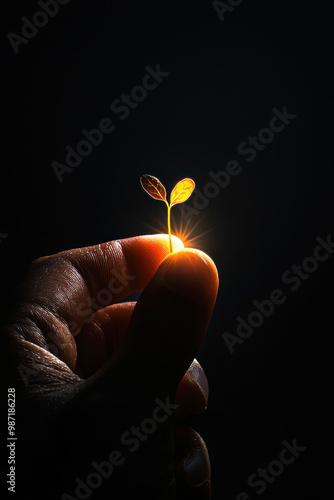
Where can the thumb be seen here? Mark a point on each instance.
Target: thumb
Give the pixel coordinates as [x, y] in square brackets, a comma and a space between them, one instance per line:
[170, 319]
[133, 393]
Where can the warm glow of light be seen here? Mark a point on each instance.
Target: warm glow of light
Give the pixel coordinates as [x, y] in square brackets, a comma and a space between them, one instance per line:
[186, 231]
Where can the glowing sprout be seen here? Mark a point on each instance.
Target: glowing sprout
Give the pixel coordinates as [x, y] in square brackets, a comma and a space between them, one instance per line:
[180, 193]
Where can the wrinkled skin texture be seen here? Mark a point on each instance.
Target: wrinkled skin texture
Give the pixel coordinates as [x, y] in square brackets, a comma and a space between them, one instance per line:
[88, 369]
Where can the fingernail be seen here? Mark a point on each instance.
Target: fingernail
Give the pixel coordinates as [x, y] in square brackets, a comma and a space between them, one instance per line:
[196, 374]
[196, 474]
[189, 274]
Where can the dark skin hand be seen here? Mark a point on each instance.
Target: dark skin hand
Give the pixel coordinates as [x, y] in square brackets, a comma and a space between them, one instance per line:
[99, 381]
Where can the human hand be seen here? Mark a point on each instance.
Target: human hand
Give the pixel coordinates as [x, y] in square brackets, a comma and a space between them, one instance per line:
[101, 389]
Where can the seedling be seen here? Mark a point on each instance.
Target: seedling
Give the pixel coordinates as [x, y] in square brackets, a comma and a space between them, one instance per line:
[180, 193]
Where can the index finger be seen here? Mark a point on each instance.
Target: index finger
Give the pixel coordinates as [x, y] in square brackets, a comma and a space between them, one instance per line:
[74, 283]
[122, 266]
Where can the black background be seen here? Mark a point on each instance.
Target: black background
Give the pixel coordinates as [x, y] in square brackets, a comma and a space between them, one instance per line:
[225, 79]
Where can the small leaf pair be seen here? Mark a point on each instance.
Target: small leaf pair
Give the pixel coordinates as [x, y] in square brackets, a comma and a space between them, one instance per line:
[180, 193]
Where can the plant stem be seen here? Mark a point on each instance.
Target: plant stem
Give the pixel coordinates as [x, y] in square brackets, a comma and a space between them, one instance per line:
[169, 230]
